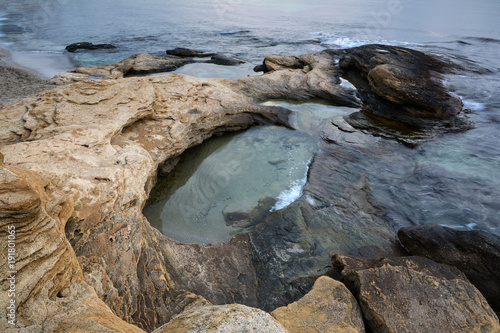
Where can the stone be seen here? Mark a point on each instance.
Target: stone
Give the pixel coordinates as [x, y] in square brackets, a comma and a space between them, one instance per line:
[88, 46]
[328, 307]
[137, 64]
[225, 60]
[189, 53]
[42, 274]
[402, 91]
[246, 219]
[415, 294]
[476, 253]
[233, 318]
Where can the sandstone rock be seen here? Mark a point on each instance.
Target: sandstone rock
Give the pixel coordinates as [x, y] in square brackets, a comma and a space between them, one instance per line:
[50, 293]
[414, 294]
[232, 318]
[141, 63]
[189, 53]
[88, 46]
[328, 307]
[475, 253]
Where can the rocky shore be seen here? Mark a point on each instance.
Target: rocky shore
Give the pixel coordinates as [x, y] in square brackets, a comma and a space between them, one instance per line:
[77, 164]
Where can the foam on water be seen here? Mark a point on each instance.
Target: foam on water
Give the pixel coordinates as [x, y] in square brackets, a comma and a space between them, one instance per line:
[286, 197]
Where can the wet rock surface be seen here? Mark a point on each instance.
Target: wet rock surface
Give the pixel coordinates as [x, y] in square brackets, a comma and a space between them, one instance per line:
[475, 253]
[88, 46]
[189, 53]
[415, 294]
[98, 143]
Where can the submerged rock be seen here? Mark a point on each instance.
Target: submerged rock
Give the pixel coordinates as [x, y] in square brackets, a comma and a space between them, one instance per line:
[328, 307]
[88, 46]
[251, 218]
[189, 53]
[232, 318]
[475, 253]
[415, 294]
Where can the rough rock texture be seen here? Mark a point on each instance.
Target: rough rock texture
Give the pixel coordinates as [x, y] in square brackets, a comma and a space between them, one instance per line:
[402, 91]
[415, 294]
[233, 318]
[141, 63]
[50, 292]
[475, 253]
[88, 46]
[100, 143]
[328, 307]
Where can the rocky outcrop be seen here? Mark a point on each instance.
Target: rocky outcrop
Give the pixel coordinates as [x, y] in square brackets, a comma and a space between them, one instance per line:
[141, 63]
[402, 92]
[233, 318]
[98, 143]
[415, 294]
[41, 279]
[475, 253]
[225, 60]
[328, 307]
[88, 46]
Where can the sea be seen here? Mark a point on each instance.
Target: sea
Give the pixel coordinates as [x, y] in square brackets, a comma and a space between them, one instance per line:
[453, 180]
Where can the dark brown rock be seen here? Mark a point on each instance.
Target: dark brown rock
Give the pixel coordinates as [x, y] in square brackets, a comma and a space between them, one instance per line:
[475, 253]
[88, 46]
[405, 86]
[415, 294]
[189, 53]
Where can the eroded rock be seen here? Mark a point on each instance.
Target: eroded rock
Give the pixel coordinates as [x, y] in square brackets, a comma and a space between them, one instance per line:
[475, 253]
[88, 46]
[233, 318]
[328, 307]
[415, 294]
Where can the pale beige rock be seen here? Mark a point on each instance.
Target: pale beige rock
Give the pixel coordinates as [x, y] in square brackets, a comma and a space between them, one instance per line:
[328, 307]
[233, 318]
[49, 290]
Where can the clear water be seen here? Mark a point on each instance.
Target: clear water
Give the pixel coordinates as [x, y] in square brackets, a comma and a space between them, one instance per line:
[453, 180]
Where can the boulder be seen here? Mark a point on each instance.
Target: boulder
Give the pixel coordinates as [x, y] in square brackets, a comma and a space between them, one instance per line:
[415, 294]
[328, 307]
[402, 91]
[189, 53]
[88, 46]
[233, 318]
[476, 253]
[225, 60]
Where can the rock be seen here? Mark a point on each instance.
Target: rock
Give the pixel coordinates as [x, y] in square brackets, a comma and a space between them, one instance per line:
[43, 274]
[189, 53]
[415, 294]
[475, 253]
[101, 149]
[225, 60]
[328, 307]
[232, 318]
[403, 86]
[251, 218]
[141, 63]
[88, 46]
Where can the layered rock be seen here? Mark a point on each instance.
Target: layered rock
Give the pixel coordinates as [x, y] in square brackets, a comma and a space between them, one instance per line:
[475, 253]
[414, 294]
[328, 307]
[233, 318]
[42, 275]
[403, 93]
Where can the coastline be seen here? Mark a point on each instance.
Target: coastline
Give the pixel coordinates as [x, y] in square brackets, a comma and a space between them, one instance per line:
[18, 82]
